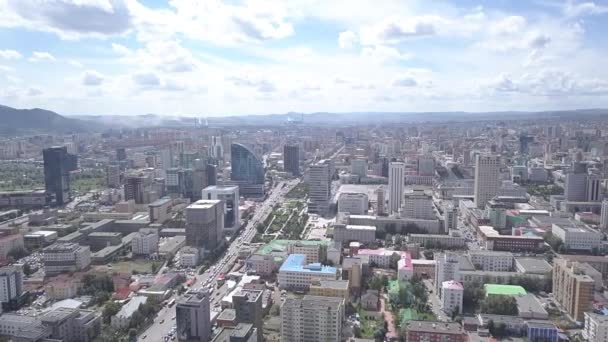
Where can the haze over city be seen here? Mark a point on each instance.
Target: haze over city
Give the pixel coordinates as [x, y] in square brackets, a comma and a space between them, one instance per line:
[189, 57]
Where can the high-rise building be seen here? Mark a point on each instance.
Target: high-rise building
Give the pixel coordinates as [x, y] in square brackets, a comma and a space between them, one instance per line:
[291, 159]
[359, 167]
[446, 269]
[11, 283]
[594, 188]
[396, 179]
[426, 166]
[596, 327]
[487, 180]
[452, 293]
[192, 316]
[319, 187]
[211, 174]
[113, 176]
[229, 195]
[572, 288]
[135, 188]
[121, 154]
[247, 170]
[312, 319]
[604, 216]
[204, 224]
[380, 202]
[57, 166]
[248, 309]
[575, 187]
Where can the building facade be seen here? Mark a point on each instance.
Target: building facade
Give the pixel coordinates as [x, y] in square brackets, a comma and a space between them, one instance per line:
[396, 179]
[487, 179]
[204, 224]
[192, 316]
[312, 319]
[229, 195]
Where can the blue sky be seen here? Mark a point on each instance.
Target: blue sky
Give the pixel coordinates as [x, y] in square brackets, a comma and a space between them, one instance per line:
[231, 57]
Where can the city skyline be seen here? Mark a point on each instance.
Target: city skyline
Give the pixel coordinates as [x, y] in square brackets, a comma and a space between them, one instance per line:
[253, 57]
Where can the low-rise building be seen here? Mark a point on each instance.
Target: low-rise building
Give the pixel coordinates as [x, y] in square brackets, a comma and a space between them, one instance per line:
[405, 269]
[72, 325]
[123, 317]
[532, 265]
[379, 257]
[9, 243]
[145, 242]
[494, 261]
[353, 202]
[347, 233]
[596, 327]
[189, 257]
[65, 257]
[295, 274]
[424, 269]
[329, 288]
[160, 210]
[541, 331]
[437, 240]
[263, 265]
[529, 307]
[434, 331]
[314, 252]
[578, 236]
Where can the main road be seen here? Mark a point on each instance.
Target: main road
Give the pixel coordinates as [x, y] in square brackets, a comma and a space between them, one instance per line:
[165, 319]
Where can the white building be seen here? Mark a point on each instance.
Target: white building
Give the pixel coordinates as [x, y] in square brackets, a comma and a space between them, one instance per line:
[312, 318]
[487, 179]
[263, 265]
[493, 261]
[296, 274]
[447, 268]
[353, 202]
[596, 327]
[396, 179]
[11, 283]
[189, 257]
[419, 205]
[437, 240]
[319, 187]
[346, 233]
[65, 257]
[604, 216]
[452, 293]
[145, 242]
[230, 196]
[123, 317]
[312, 251]
[577, 236]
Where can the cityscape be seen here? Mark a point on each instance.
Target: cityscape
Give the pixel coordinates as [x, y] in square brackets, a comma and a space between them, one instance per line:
[303, 171]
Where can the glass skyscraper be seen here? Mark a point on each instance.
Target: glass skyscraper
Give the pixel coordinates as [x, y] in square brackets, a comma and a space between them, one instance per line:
[246, 166]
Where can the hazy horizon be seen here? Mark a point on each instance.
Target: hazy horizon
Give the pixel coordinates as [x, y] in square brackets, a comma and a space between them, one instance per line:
[230, 58]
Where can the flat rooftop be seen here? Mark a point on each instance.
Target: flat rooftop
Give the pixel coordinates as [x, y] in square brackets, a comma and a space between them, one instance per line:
[504, 290]
[296, 263]
[203, 204]
[356, 227]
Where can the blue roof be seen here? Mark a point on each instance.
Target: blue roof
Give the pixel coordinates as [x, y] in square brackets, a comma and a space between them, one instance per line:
[296, 263]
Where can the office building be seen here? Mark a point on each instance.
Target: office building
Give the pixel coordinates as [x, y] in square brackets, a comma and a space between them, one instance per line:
[576, 236]
[11, 283]
[381, 257]
[380, 202]
[121, 154]
[575, 186]
[452, 293]
[145, 242]
[358, 167]
[329, 288]
[396, 179]
[434, 331]
[446, 269]
[242, 332]
[319, 187]
[113, 176]
[419, 205]
[312, 319]
[596, 327]
[355, 203]
[135, 188]
[493, 261]
[291, 159]
[263, 265]
[537, 330]
[313, 250]
[487, 179]
[247, 170]
[229, 195]
[192, 316]
[295, 274]
[348, 233]
[9, 243]
[247, 306]
[604, 216]
[594, 188]
[437, 240]
[426, 166]
[189, 256]
[65, 257]
[572, 289]
[204, 224]
[57, 166]
[72, 325]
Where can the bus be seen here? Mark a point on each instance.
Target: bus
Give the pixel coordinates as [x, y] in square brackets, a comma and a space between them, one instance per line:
[171, 302]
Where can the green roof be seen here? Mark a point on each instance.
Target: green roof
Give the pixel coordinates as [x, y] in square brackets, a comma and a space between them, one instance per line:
[504, 290]
[281, 245]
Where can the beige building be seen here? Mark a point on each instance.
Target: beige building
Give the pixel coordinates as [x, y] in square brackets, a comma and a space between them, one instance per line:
[572, 289]
[312, 319]
[329, 288]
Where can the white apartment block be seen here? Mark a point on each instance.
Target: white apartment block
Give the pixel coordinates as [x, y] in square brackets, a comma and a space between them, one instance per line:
[487, 179]
[417, 204]
[312, 319]
[396, 179]
[145, 242]
[493, 261]
[604, 216]
[437, 240]
[11, 283]
[65, 257]
[446, 269]
[596, 327]
[189, 257]
[577, 236]
[346, 233]
[311, 250]
[353, 202]
[452, 293]
[263, 265]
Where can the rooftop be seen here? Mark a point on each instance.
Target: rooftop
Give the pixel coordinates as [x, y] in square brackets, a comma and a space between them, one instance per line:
[534, 265]
[203, 204]
[357, 227]
[452, 285]
[504, 290]
[331, 284]
[133, 305]
[281, 245]
[434, 327]
[296, 263]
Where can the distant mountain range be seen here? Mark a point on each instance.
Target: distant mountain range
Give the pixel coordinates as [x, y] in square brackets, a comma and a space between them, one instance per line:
[14, 121]
[39, 120]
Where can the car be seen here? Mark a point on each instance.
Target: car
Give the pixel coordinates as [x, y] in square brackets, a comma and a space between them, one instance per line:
[162, 321]
[144, 337]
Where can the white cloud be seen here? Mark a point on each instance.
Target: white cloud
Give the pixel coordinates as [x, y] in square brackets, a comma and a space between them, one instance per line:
[121, 49]
[34, 92]
[383, 54]
[347, 39]
[573, 9]
[146, 79]
[507, 26]
[395, 30]
[75, 63]
[10, 54]
[38, 56]
[92, 78]
[257, 83]
[404, 81]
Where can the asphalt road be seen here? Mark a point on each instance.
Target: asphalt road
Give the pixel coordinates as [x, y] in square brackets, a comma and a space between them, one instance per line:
[164, 321]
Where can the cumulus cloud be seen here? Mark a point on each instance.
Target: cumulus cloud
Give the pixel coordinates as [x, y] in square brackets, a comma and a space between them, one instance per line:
[347, 39]
[10, 54]
[404, 81]
[92, 78]
[70, 18]
[261, 85]
[382, 54]
[34, 92]
[573, 9]
[146, 79]
[38, 56]
[550, 82]
[121, 49]
[395, 30]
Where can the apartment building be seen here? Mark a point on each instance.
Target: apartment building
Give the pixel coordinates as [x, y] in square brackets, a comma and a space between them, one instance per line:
[295, 274]
[347, 233]
[65, 257]
[493, 261]
[596, 327]
[435, 331]
[572, 288]
[312, 319]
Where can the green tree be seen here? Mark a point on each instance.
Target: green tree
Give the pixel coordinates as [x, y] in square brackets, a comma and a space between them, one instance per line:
[499, 305]
[110, 309]
[473, 294]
